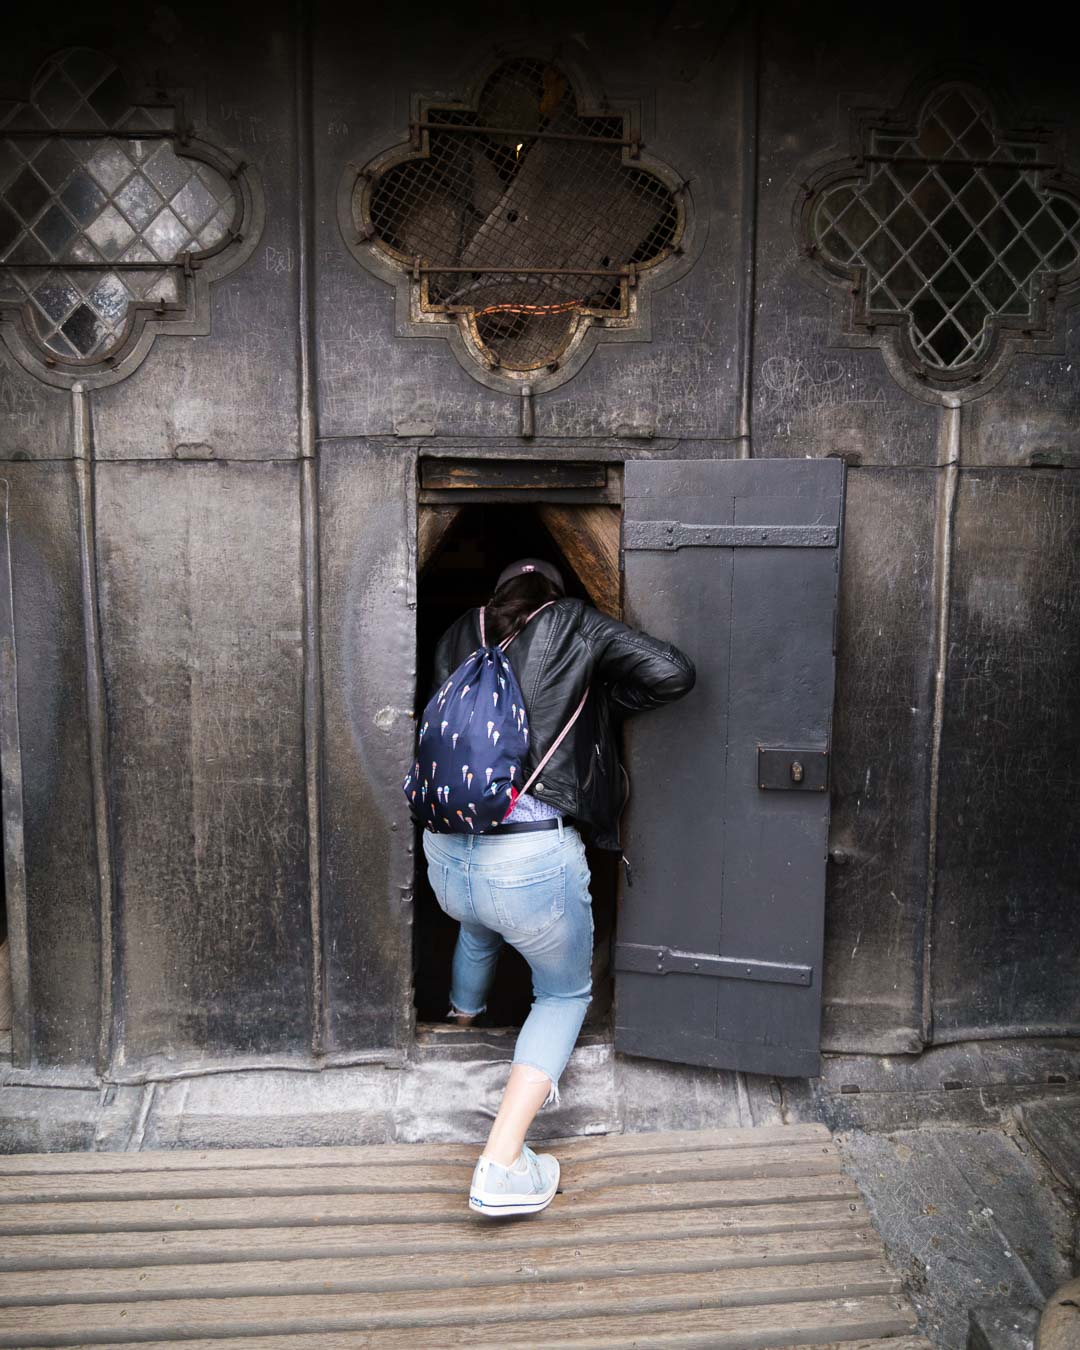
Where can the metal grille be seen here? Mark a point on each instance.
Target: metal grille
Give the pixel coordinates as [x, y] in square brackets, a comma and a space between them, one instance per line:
[97, 210]
[953, 227]
[522, 214]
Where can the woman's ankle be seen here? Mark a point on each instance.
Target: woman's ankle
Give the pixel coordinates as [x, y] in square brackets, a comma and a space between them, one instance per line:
[504, 1156]
[511, 1164]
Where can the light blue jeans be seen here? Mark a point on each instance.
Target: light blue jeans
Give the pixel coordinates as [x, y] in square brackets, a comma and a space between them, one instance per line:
[531, 890]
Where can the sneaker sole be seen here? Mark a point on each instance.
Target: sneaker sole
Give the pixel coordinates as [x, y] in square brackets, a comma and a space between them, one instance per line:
[504, 1206]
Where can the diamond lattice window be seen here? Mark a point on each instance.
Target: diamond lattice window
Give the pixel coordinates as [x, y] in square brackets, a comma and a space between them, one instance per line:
[520, 218]
[107, 209]
[954, 233]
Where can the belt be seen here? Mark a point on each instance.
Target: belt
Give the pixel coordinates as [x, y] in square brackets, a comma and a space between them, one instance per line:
[517, 827]
[523, 826]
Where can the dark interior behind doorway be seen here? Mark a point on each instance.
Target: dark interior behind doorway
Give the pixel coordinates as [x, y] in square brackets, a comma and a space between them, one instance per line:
[460, 576]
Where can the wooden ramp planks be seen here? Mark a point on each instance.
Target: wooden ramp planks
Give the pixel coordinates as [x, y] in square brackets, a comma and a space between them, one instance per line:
[726, 1238]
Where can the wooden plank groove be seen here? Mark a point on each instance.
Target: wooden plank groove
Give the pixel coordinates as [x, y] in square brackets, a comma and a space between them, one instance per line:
[595, 1147]
[373, 1271]
[76, 1323]
[701, 1165]
[844, 1323]
[368, 1207]
[57, 1251]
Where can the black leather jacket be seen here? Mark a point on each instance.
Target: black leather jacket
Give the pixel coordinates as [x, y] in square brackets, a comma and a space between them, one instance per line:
[567, 648]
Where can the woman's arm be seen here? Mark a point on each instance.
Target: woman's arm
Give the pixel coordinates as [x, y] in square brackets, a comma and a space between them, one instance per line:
[444, 654]
[442, 667]
[640, 671]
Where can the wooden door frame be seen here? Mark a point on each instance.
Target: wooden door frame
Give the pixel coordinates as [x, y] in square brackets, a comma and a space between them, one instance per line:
[579, 504]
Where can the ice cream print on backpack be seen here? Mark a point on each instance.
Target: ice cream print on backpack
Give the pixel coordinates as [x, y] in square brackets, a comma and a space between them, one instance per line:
[473, 742]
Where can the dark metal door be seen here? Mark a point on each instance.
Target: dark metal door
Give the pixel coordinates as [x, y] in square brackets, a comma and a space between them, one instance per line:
[719, 947]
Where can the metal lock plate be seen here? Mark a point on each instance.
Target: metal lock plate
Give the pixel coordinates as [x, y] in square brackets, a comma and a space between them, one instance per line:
[793, 770]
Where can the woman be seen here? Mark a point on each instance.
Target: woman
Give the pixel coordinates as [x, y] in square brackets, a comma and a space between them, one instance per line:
[527, 881]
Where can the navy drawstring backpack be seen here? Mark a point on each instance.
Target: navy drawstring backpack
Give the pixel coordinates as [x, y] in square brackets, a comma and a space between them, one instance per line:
[473, 741]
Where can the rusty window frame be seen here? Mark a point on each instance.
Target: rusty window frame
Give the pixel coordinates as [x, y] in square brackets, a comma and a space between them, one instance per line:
[538, 288]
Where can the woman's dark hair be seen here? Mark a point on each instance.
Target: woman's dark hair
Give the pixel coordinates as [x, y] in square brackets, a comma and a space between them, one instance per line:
[514, 601]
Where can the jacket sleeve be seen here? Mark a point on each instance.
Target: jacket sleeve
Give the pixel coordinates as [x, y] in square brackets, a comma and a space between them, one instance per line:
[640, 671]
[443, 661]
[445, 649]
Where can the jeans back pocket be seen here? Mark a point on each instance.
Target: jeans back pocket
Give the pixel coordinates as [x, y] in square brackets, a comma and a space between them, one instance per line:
[449, 890]
[529, 905]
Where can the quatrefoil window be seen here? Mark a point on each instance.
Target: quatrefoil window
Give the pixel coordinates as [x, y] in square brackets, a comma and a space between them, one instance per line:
[521, 219]
[111, 215]
[953, 234]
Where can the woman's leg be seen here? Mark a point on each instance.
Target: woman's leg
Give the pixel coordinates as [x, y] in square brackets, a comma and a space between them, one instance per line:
[543, 1047]
[561, 963]
[526, 1091]
[476, 955]
[476, 951]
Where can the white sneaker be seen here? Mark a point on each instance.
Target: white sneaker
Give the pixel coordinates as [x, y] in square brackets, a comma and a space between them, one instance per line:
[498, 1190]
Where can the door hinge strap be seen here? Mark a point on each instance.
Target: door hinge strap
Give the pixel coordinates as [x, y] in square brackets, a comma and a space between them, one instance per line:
[646, 960]
[673, 534]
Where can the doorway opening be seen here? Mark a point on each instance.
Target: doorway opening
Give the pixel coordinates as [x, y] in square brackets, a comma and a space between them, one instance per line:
[462, 548]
